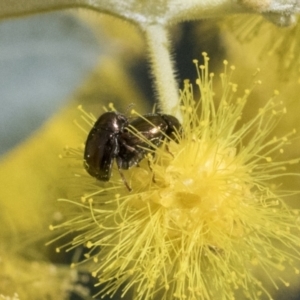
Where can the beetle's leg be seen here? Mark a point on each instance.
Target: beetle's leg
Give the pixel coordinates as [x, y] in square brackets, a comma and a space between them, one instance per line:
[153, 174]
[129, 148]
[149, 165]
[168, 150]
[119, 164]
[123, 139]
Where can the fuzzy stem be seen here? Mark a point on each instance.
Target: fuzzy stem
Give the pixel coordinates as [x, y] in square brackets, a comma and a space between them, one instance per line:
[162, 69]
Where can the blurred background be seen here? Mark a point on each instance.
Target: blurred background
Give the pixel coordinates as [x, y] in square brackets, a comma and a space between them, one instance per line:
[50, 64]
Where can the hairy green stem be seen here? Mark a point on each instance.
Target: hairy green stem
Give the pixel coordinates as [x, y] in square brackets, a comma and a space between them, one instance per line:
[163, 69]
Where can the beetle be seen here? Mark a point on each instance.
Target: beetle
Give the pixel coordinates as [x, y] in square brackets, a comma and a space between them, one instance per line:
[144, 134]
[102, 144]
[113, 137]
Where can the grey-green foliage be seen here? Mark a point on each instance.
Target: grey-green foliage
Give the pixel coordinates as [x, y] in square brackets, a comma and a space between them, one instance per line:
[145, 12]
[42, 60]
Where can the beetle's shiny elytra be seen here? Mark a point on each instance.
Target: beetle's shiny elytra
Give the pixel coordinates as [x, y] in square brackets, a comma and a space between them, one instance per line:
[102, 144]
[114, 137]
[150, 131]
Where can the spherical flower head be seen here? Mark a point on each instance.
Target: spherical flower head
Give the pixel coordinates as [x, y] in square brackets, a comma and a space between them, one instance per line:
[202, 213]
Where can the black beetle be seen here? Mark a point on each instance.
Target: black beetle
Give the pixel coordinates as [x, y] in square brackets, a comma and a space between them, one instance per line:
[102, 144]
[114, 137]
[144, 134]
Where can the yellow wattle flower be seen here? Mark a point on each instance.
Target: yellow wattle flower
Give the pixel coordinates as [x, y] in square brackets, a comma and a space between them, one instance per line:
[203, 212]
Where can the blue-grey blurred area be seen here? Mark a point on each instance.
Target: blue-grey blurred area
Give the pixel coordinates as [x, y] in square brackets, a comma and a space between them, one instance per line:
[42, 60]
